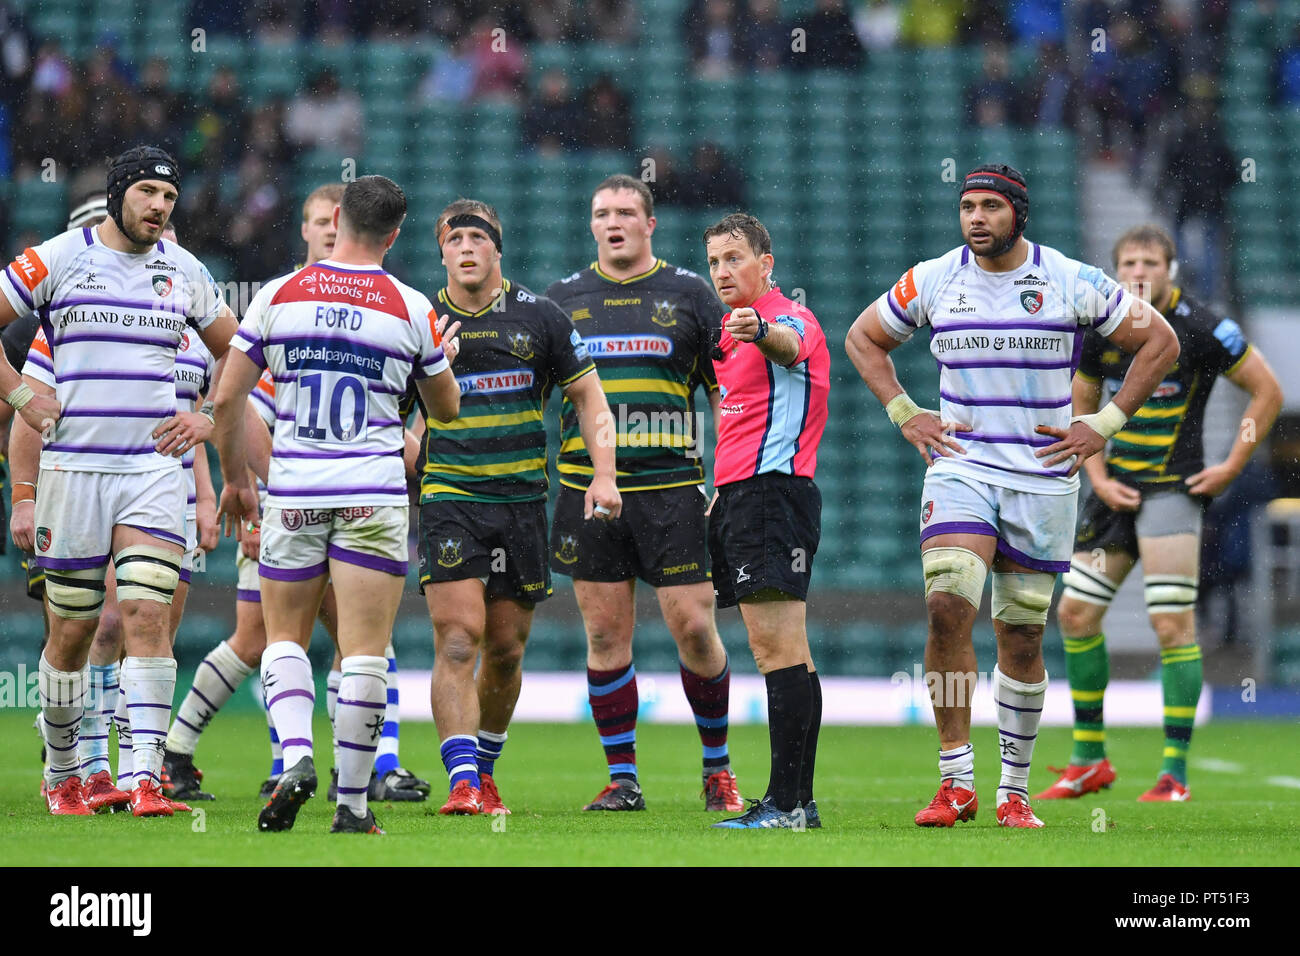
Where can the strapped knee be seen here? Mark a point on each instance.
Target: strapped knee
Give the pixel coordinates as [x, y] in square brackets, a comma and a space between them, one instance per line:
[147, 573]
[1169, 593]
[1022, 597]
[75, 595]
[1083, 583]
[957, 571]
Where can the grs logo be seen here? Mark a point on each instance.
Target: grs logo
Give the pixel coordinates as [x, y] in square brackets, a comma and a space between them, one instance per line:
[522, 296]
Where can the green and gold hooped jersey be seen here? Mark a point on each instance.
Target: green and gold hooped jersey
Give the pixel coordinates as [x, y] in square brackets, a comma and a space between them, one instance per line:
[1162, 442]
[511, 354]
[650, 338]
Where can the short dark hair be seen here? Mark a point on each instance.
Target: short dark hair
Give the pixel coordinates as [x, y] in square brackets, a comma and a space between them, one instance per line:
[1147, 234]
[372, 206]
[465, 207]
[331, 193]
[742, 224]
[623, 181]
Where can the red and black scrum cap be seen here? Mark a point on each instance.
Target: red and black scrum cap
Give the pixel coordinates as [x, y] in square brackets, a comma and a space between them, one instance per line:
[1007, 182]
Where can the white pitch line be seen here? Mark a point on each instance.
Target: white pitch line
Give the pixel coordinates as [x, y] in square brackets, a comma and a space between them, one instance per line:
[1291, 782]
[1218, 766]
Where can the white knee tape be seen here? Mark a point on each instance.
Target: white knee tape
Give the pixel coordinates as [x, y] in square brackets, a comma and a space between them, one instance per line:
[957, 571]
[75, 595]
[147, 573]
[1022, 597]
[1083, 583]
[1169, 593]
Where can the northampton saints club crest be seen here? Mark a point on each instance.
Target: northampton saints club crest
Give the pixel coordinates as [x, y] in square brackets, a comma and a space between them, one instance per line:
[663, 314]
[521, 344]
[162, 285]
[568, 552]
[449, 554]
[1032, 300]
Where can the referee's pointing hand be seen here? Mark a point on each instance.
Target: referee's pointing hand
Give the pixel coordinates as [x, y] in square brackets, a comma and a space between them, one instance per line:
[742, 324]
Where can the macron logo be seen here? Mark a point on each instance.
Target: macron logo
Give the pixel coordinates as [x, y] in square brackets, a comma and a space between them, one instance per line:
[76, 909]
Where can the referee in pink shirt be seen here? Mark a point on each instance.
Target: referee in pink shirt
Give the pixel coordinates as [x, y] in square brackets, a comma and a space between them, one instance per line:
[773, 373]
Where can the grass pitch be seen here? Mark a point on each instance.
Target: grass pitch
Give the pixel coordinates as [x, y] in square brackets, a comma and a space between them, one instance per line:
[870, 782]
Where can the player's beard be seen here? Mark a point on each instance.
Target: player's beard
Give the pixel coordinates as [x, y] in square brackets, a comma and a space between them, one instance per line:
[133, 228]
[1002, 243]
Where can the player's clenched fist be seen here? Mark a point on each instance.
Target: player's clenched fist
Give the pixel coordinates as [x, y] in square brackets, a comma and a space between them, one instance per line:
[602, 500]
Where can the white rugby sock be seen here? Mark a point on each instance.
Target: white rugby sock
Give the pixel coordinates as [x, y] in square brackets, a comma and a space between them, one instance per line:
[291, 696]
[332, 681]
[358, 724]
[958, 765]
[63, 699]
[215, 682]
[122, 724]
[1020, 707]
[150, 684]
[101, 701]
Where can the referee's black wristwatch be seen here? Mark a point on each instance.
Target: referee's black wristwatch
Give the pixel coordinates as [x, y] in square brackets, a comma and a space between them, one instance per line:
[762, 330]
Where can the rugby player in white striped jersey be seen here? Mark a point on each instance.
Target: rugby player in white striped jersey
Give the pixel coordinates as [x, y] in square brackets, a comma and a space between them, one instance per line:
[341, 338]
[115, 302]
[1007, 318]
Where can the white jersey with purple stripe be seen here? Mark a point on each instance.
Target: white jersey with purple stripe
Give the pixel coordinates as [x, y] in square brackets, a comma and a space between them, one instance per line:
[1007, 345]
[341, 342]
[194, 367]
[113, 321]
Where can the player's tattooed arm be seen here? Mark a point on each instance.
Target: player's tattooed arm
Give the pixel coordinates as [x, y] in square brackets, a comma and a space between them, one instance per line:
[1256, 378]
[868, 346]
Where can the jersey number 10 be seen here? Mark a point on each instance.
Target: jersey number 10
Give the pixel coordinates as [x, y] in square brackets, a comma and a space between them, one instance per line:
[337, 392]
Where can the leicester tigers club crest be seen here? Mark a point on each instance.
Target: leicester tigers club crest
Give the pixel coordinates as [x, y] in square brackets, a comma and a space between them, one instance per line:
[43, 538]
[162, 285]
[185, 342]
[449, 553]
[927, 511]
[292, 519]
[1032, 300]
[521, 344]
[663, 314]
[568, 552]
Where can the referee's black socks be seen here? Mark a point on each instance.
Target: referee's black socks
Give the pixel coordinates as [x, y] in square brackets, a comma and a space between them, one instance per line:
[789, 712]
[810, 741]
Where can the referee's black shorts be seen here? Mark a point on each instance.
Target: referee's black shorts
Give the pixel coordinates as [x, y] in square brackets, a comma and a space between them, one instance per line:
[763, 533]
[659, 538]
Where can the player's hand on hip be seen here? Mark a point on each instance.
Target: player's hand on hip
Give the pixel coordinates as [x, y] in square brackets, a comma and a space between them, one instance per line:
[42, 413]
[742, 324]
[1211, 481]
[602, 500]
[929, 434]
[1118, 496]
[181, 433]
[450, 344]
[22, 525]
[1078, 440]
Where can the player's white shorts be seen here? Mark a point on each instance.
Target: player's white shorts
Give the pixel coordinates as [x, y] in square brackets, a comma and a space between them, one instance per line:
[1033, 529]
[297, 543]
[76, 512]
[191, 545]
[249, 585]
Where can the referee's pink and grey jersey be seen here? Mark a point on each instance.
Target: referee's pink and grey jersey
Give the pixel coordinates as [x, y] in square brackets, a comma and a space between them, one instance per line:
[341, 342]
[1007, 345]
[114, 322]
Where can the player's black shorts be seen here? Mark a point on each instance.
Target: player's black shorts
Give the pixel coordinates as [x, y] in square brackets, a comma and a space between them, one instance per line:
[1163, 511]
[660, 538]
[763, 533]
[502, 543]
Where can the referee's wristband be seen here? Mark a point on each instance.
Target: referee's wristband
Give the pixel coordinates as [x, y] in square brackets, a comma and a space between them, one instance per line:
[20, 396]
[1106, 422]
[901, 409]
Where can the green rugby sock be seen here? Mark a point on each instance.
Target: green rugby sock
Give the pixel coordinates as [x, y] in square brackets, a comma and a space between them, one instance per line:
[1180, 677]
[1087, 665]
